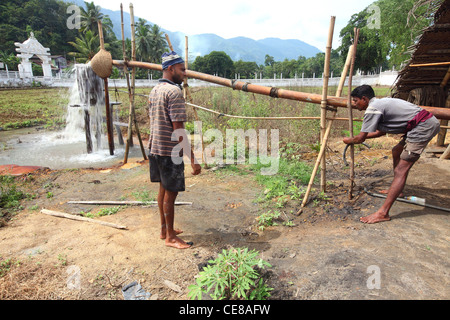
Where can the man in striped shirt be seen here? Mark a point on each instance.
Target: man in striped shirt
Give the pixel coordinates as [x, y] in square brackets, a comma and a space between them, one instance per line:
[167, 134]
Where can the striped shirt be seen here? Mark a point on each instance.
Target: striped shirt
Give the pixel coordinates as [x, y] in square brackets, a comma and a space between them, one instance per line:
[167, 105]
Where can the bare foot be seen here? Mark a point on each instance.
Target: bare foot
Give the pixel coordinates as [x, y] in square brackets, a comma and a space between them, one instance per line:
[177, 243]
[375, 217]
[401, 195]
[162, 236]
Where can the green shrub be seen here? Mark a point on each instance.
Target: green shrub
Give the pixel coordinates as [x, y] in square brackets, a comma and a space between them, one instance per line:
[232, 276]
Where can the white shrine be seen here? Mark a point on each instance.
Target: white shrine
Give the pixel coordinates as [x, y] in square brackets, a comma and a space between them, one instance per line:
[27, 50]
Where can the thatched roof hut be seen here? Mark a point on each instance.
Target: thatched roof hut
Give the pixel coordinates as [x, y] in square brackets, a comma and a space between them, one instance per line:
[425, 80]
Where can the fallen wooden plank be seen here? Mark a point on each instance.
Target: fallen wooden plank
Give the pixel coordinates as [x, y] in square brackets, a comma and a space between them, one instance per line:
[78, 218]
[106, 202]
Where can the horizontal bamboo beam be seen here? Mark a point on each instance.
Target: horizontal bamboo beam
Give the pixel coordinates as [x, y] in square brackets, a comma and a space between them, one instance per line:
[440, 113]
[430, 64]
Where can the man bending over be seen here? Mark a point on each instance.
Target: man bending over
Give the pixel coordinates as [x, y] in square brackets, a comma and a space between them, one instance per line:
[391, 115]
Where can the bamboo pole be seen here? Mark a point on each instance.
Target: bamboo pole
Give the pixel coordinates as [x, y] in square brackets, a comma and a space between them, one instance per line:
[327, 132]
[440, 141]
[188, 97]
[350, 117]
[111, 203]
[78, 218]
[168, 42]
[323, 108]
[109, 126]
[130, 95]
[430, 64]
[131, 89]
[440, 113]
[132, 113]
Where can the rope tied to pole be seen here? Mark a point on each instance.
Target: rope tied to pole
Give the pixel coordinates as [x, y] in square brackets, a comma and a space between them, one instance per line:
[245, 87]
[274, 92]
[233, 84]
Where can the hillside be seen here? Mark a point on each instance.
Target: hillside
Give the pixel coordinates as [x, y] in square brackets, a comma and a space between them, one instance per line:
[237, 48]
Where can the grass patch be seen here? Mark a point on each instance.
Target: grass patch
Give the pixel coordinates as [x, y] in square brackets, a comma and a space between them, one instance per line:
[31, 107]
[289, 181]
[10, 197]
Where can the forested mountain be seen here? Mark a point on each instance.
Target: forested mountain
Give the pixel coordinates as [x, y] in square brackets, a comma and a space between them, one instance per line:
[46, 18]
[239, 48]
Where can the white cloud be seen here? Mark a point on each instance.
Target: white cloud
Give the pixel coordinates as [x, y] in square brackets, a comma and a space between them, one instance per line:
[257, 19]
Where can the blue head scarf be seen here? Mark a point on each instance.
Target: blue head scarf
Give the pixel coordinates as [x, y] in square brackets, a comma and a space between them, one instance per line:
[170, 58]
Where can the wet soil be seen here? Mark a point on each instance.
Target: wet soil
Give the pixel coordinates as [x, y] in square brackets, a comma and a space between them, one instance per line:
[327, 254]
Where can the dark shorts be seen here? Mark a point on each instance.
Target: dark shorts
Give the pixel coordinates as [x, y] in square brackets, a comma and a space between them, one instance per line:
[165, 171]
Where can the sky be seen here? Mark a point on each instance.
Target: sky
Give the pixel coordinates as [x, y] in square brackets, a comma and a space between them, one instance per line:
[305, 20]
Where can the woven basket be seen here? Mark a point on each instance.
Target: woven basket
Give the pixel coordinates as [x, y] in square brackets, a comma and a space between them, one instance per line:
[102, 64]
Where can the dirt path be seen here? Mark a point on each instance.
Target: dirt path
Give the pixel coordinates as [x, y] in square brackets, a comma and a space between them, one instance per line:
[328, 254]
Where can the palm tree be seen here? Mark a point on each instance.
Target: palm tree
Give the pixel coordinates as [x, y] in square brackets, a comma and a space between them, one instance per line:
[10, 60]
[87, 45]
[158, 44]
[91, 15]
[143, 44]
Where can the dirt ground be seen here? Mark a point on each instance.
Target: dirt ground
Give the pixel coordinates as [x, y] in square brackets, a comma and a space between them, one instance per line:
[327, 254]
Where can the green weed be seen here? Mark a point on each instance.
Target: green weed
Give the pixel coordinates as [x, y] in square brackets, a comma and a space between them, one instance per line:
[233, 275]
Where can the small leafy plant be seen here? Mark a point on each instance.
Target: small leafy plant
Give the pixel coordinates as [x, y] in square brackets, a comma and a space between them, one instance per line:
[267, 219]
[232, 276]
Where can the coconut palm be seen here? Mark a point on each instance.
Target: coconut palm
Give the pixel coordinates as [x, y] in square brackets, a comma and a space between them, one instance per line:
[91, 16]
[87, 45]
[143, 40]
[158, 44]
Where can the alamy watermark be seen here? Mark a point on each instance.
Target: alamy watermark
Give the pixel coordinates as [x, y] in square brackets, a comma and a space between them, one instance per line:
[374, 20]
[374, 280]
[74, 20]
[233, 146]
[73, 280]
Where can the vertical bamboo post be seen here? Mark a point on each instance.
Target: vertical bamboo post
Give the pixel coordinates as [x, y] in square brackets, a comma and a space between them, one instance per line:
[168, 42]
[131, 93]
[109, 126]
[327, 132]
[188, 97]
[323, 108]
[350, 117]
[87, 129]
[440, 140]
[131, 90]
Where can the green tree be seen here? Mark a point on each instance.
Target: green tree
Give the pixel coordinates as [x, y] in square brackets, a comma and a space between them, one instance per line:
[158, 44]
[143, 40]
[10, 60]
[269, 60]
[87, 45]
[371, 49]
[385, 45]
[90, 16]
[217, 62]
[47, 18]
[246, 69]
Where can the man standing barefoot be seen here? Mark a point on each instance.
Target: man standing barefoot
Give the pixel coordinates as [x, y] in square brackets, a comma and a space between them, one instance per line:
[167, 118]
[390, 115]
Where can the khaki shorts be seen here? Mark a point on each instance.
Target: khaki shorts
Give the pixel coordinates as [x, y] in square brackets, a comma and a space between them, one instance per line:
[412, 150]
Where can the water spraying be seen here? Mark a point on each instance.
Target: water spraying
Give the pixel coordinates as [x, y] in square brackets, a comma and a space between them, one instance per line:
[84, 114]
